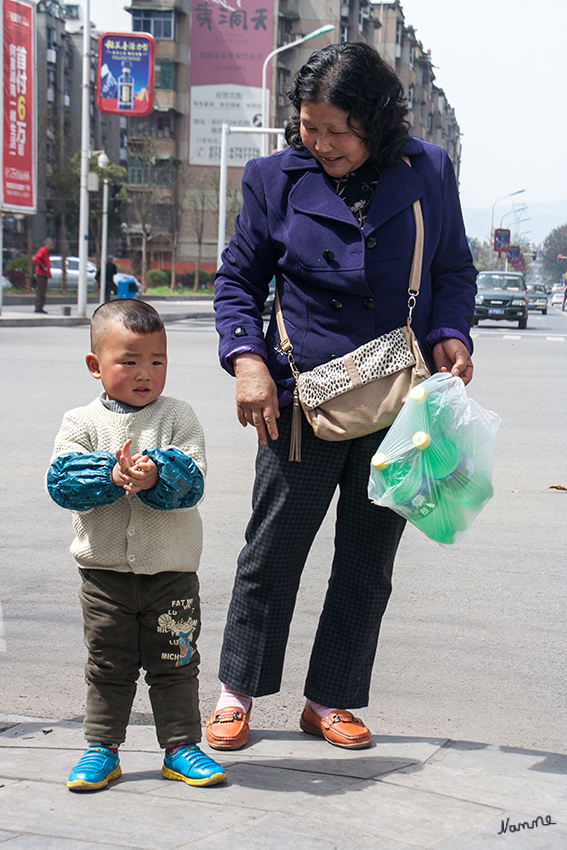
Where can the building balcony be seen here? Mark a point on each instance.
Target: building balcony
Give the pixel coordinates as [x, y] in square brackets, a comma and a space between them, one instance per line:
[165, 99]
[166, 49]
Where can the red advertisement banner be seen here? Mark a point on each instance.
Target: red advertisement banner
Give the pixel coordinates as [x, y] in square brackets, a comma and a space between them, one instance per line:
[19, 143]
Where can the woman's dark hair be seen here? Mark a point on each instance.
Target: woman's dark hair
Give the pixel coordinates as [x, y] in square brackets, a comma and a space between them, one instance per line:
[352, 76]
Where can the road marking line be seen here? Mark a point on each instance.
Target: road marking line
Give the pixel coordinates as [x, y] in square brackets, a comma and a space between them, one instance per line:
[2, 639]
[555, 338]
[512, 336]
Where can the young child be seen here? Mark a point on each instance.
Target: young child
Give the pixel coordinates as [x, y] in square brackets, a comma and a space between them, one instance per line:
[130, 466]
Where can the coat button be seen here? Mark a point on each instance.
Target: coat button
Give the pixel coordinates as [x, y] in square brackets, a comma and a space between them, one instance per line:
[371, 242]
[336, 305]
[240, 332]
[368, 303]
[329, 256]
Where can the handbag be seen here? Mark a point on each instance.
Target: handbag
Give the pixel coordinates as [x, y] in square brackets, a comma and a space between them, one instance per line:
[363, 391]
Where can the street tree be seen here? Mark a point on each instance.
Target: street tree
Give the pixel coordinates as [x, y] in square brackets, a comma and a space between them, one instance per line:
[555, 243]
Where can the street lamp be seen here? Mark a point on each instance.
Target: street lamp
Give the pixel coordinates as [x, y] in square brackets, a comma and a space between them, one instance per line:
[265, 105]
[491, 251]
[513, 212]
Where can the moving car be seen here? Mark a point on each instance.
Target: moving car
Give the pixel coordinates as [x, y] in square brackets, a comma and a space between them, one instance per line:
[501, 296]
[558, 296]
[537, 297]
[56, 278]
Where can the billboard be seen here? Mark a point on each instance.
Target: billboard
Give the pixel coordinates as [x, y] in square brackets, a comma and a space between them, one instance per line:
[228, 48]
[501, 240]
[125, 74]
[19, 152]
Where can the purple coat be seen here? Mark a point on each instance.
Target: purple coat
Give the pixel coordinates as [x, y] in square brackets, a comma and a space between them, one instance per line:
[340, 285]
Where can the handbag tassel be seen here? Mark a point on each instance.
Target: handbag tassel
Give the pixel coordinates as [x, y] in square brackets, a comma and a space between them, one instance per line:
[295, 440]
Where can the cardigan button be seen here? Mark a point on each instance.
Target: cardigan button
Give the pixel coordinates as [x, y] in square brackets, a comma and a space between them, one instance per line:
[329, 256]
[368, 303]
[336, 305]
[131, 558]
[371, 242]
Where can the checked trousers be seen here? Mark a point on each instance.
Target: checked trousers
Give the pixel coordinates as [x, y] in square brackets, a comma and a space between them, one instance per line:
[289, 503]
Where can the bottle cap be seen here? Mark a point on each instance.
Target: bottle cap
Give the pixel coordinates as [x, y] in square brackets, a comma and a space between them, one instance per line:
[419, 394]
[421, 440]
[380, 461]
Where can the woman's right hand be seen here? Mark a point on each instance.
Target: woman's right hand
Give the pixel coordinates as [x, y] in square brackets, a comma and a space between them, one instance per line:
[256, 396]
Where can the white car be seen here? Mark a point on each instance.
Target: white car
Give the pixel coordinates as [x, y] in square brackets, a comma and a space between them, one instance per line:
[557, 298]
[56, 278]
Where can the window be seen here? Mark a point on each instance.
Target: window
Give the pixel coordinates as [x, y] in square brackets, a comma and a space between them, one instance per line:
[72, 12]
[165, 126]
[344, 34]
[165, 75]
[156, 23]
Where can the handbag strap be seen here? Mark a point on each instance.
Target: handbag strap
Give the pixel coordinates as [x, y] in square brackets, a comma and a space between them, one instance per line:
[286, 348]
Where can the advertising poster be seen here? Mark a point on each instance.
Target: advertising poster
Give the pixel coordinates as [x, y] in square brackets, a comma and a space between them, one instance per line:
[228, 48]
[501, 240]
[125, 74]
[19, 124]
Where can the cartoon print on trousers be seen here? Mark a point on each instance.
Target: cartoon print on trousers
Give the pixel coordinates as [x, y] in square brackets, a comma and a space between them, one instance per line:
[182, 632]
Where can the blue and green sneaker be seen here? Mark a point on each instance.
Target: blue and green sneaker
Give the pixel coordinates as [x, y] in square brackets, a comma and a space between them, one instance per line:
[96, 767]
[191, 765]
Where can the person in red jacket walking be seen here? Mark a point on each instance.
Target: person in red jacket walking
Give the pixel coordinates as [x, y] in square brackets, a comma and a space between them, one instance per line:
[42, 273]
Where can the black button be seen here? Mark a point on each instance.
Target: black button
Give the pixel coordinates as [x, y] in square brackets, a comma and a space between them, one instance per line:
[336, 305]
[240, 332]
[369, 303]
[371, 242]
[329, 256]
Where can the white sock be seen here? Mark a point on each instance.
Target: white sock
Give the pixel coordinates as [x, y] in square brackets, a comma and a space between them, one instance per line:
[228, 697]
[321, 710]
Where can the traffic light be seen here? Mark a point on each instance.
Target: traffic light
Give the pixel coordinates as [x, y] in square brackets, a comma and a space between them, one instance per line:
[115, 192]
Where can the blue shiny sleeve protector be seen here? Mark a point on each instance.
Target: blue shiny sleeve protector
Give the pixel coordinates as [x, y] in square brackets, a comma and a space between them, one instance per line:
[79, 482]
[180, 484]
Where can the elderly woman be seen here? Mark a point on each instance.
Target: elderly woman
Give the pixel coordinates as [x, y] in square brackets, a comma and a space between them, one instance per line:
[331, 218]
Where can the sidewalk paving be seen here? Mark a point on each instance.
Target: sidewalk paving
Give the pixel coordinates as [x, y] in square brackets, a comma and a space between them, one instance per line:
[171, 311]
[284, 790]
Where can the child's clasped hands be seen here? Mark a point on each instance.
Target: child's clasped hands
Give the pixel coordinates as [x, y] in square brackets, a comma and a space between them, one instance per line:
[133, 473]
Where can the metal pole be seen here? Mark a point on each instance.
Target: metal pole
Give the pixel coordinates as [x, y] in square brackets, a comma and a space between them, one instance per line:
[1, 259]
[226, 130]
[104, 240]
[265, 92]
[222, 191]
[85, 145]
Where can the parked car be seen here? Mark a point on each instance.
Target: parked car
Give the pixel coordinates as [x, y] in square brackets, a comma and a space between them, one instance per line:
[56, 278]
[501, 296]
[537, 297]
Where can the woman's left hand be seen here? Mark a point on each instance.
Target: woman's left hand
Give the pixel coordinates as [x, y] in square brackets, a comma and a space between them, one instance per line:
[451, 355]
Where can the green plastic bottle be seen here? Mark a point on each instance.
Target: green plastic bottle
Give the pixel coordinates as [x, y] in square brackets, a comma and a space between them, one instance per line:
[403, 476]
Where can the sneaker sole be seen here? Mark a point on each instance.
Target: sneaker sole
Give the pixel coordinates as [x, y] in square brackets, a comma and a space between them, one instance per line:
[314, 730]
[83, 785]
[215, 779]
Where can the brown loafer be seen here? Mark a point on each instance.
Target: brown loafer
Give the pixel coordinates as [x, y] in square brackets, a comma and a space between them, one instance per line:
[340, 728]
[227, 729]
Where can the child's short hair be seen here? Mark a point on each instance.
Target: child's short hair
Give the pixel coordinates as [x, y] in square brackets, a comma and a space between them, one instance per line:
[138, 316]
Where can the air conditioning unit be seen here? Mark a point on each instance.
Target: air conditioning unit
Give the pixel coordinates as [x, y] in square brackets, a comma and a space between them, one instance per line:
[52, 55]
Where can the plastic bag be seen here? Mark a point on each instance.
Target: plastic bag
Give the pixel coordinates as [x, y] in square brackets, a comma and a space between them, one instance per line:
[434, 466]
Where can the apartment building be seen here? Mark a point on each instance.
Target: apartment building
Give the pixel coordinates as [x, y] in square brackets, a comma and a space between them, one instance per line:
[59, 48]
